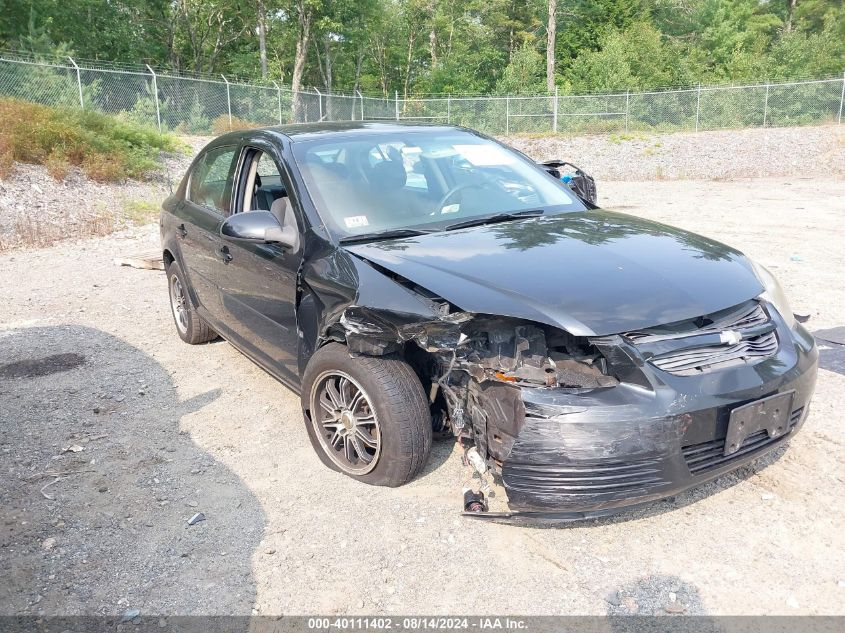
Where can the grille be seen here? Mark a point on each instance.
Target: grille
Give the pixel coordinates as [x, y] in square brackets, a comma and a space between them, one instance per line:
[701, 359]
[701, 458]
[748, 316]
[583, 479]
[691, 359]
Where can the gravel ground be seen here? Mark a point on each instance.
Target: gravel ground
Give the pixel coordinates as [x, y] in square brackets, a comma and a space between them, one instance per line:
[37, 210]
[791, 152]
[89, 360]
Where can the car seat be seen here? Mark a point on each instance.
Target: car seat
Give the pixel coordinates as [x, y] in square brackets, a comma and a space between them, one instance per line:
[281, 208]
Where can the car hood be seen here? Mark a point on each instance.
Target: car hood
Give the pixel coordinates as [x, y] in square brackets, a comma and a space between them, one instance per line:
[590, 273]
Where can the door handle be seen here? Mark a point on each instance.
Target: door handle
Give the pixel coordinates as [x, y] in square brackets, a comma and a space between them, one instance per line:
[182, 231]
[225, 255]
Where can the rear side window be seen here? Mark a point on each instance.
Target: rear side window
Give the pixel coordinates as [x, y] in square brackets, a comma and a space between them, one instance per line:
[211, 179]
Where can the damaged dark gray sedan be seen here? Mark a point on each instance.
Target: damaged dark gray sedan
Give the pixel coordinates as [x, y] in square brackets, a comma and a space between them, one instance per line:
[409, 279]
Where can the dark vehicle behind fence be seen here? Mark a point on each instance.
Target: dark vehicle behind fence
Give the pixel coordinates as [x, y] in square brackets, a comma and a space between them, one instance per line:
[409, 278]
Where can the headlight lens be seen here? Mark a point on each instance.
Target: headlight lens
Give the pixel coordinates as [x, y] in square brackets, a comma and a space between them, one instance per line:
[774, 294]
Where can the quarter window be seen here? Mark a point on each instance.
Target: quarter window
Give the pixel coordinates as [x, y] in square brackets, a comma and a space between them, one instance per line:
[211, 179]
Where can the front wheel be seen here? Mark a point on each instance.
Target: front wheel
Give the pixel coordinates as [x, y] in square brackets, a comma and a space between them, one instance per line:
[367, 417]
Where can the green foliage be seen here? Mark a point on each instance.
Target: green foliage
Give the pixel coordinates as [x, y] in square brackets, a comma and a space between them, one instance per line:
[139, 212]
[143, 112]
[525, 74]
[431, 46]
[106, 148]
[803, 54]
[198, 122]
[634, 59]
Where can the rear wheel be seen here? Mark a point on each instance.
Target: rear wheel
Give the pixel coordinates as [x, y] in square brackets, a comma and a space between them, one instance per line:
[190, 326]
[367, 416]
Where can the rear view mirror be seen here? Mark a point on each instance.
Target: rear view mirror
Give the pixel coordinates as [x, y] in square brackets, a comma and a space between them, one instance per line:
[258, 226]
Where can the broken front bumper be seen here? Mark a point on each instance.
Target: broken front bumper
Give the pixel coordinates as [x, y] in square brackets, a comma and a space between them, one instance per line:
[595, 453]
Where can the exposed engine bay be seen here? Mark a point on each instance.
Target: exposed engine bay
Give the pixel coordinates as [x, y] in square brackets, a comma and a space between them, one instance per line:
[475, 368]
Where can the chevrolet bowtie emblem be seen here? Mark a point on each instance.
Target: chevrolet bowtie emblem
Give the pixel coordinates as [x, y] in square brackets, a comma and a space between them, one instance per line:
[731, 337]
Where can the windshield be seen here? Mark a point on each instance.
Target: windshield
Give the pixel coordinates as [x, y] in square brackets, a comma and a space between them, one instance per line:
[421, 180]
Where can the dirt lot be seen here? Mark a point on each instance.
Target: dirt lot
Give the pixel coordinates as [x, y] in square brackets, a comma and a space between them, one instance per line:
[167, 430]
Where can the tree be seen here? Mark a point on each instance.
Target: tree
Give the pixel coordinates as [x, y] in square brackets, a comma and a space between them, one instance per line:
[206, 28]
[635, 58]
[454, 46]
[524, 75]
[261, 10]
[551, 30]
[304, 10]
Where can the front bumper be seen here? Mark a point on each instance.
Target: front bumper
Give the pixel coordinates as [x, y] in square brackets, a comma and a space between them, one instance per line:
[584, 455]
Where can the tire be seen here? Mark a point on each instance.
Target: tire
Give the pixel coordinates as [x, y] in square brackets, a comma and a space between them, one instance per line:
[190, 326]
[393, 411]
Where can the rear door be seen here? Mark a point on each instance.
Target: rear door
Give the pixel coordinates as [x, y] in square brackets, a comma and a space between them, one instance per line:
[258, 282]
[208, 200]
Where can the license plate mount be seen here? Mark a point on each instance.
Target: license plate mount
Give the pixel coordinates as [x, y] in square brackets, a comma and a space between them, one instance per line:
[770, 414]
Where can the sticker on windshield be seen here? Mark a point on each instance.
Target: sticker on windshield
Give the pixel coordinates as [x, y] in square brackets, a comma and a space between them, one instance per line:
[356, 221]
[485, 155]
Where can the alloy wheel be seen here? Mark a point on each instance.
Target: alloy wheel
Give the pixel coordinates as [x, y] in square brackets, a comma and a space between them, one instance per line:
[178, 302]
[345, 422]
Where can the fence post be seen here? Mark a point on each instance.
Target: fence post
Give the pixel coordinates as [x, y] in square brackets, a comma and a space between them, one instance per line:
[78, 82]
[766, 105]
[627, 110]
[319, 102]
[361, 97]
[228, 101]
[507, 116]
[155, 92]
[842, 99]
[448, 109]
[554, 119]
[279, 92]
[698, 107]
[396, 101]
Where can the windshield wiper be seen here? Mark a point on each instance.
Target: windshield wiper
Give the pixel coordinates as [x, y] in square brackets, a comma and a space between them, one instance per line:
[490, 219]
[382, 235]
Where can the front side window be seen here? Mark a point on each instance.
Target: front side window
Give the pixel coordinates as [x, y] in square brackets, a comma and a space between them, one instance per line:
[211, 179]
[421, 180]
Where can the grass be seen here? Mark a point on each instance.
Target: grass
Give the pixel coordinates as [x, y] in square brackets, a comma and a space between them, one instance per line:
[139, 212]
[105, 148]
[623, 137]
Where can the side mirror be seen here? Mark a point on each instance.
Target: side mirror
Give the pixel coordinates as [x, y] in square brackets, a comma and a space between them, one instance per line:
[258, 226]
[581, 183]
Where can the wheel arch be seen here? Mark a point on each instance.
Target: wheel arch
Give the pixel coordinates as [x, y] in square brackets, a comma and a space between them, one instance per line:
[169, 258]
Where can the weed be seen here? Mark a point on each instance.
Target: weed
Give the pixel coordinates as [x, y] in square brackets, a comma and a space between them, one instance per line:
[105, 147]
[140, 212]
[6, 157]
[221, 124]
[626, 136]
[57, 164]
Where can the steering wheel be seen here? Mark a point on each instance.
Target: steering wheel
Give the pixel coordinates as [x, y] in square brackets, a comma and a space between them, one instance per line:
[459, 187]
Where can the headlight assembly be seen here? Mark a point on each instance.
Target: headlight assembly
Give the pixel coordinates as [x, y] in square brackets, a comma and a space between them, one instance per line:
[774, 294]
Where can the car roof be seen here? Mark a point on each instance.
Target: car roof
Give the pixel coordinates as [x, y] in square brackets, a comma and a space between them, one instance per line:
[305, 131]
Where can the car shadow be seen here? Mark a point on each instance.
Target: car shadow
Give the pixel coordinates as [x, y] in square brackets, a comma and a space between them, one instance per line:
[442, 448]
[108, 508]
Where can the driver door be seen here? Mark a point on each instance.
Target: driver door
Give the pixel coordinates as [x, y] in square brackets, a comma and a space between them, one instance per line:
[256, 281]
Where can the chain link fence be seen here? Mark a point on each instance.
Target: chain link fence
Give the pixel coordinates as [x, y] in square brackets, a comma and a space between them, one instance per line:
[206, 105]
